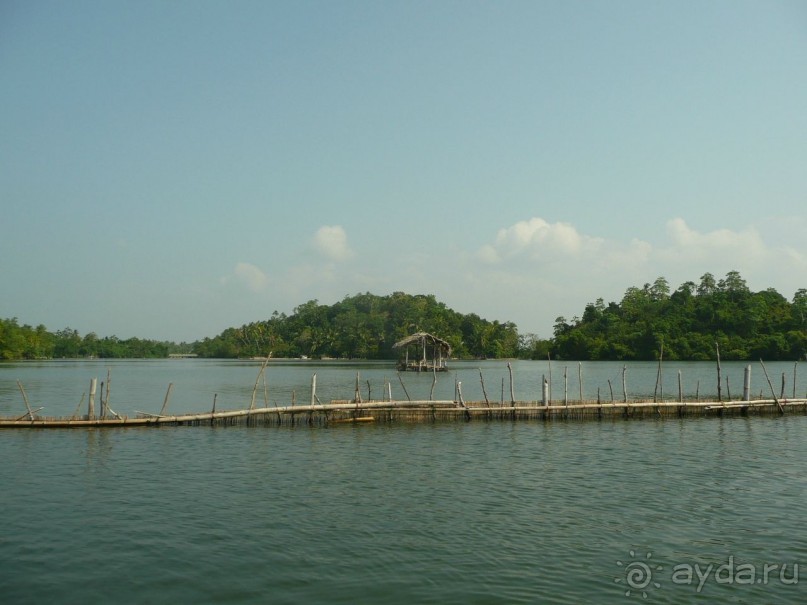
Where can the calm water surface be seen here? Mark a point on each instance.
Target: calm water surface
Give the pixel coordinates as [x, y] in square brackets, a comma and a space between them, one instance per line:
[476, 512]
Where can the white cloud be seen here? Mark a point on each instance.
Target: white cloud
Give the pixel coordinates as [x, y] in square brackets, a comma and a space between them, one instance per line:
[251, 276]
[537, 238]
[331, 241]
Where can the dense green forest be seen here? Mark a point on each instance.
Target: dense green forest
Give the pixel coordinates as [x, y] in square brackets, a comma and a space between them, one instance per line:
[687, 323]
[363, 326]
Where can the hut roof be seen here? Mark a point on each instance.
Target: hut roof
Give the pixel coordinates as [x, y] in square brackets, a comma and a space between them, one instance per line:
[420, 337]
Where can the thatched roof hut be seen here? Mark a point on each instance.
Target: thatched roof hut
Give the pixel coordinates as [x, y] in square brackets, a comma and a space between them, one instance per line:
[424, 343]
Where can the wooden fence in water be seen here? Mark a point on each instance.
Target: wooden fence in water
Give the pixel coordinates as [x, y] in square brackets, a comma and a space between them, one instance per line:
[357, 411]
[350, 412]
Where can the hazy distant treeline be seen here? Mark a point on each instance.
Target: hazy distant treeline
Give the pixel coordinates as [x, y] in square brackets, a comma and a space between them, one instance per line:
[26, 342]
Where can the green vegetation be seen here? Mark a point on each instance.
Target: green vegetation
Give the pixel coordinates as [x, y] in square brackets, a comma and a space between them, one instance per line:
[363, 326]
[745, 324]
[25, 342]
[687, 322]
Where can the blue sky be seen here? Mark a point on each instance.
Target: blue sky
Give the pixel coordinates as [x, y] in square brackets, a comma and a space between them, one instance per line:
[171, 169]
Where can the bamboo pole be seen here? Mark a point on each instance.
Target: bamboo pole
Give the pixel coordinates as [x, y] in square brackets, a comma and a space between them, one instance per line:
[782, 392]
[512, 386]
[580, 378]
[549, 362]
[25, 399]
[565, 385]
[658, 374]
[80, 403]
[91, 400]
[611, 388]
[404, 387]
[113, 412]
[719, 380]
[278, 416]
[314, 389]
[778, 404]
[624, 384]
[30, 414]
[105, 405]
[460, 400]
[258, 380]
[599, 405]
[626, 412]
[747, 383]
[795, 366]
[661, 371]
[168, 396]
[484, 392]
[423, 348]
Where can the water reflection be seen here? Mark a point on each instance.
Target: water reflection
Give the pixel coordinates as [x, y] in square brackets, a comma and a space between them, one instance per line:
[98, 447]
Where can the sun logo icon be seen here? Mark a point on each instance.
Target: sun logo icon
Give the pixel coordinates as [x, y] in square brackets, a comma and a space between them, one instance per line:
[638, 575]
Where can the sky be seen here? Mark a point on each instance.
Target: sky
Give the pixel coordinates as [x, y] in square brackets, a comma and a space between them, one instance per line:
[169, 169]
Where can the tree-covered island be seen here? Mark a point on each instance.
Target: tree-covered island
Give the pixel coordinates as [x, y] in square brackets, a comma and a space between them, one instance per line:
[687, 322]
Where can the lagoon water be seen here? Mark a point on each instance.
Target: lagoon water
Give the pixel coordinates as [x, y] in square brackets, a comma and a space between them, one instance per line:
[480, 512]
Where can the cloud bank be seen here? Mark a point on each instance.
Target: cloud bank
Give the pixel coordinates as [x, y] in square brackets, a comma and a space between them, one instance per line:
[536, 242]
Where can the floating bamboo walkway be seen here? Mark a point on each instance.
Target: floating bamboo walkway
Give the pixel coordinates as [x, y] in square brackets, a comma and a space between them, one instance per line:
[350, 412]
[356, 411]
